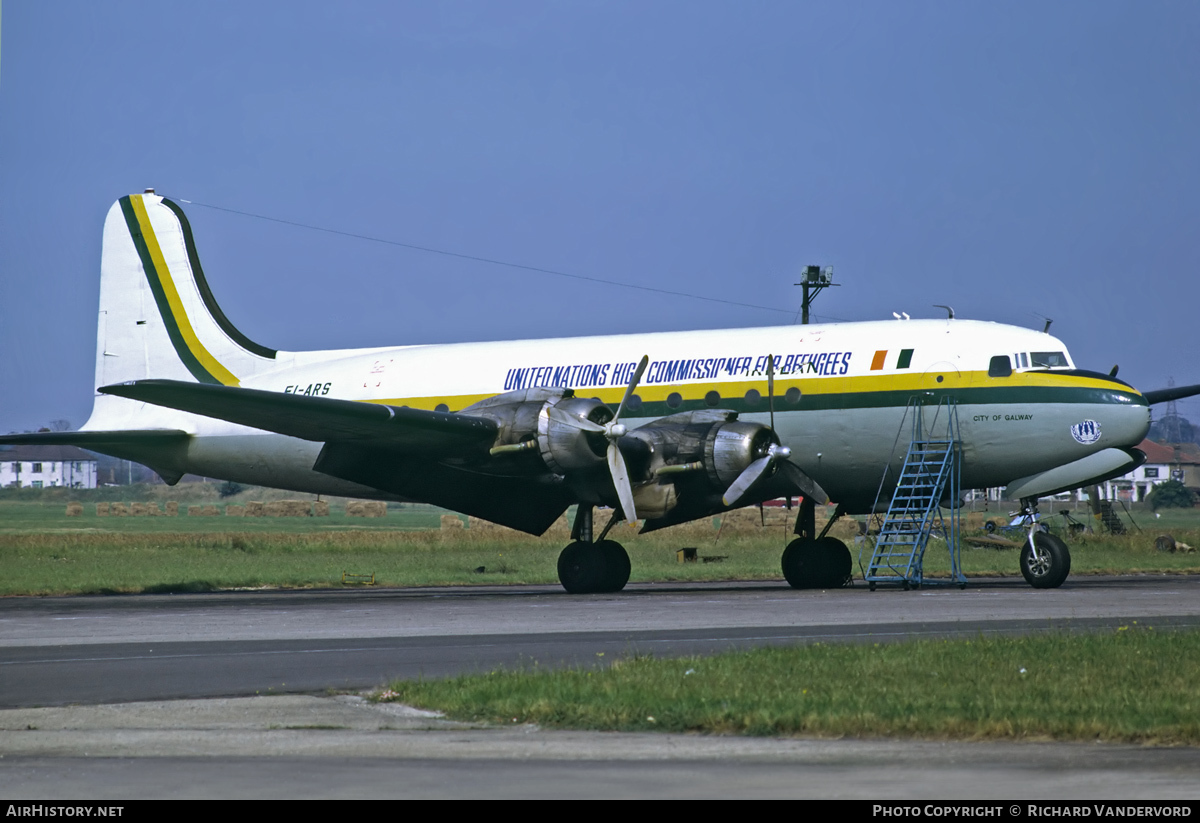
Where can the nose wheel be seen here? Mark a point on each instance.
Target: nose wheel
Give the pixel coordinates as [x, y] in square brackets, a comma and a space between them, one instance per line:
[1049, 566]
[1045, 559]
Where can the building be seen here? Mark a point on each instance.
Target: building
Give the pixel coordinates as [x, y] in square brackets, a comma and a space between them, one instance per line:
[39, 467]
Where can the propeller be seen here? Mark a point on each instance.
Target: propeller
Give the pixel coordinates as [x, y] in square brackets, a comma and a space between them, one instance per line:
[613, 431]
[756, 471]
[761, 467]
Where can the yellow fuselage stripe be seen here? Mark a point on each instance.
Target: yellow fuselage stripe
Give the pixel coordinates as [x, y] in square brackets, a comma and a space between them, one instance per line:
[808, 385]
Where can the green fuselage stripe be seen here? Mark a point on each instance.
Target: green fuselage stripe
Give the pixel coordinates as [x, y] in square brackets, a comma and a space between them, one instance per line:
[989, 395]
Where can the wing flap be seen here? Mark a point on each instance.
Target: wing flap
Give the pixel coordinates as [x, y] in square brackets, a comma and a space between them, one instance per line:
[525, 503]
[320, 419]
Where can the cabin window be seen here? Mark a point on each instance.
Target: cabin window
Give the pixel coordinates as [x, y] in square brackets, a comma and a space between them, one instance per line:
[792, 395]
[712, 398]
[635, 402]
[753, 398]
[441, 407]
[1049, 359]
[674, 400]
[1000, 366]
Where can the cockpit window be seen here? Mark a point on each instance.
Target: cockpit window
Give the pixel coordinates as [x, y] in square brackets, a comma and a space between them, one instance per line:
[1049, 359]
[999, 366]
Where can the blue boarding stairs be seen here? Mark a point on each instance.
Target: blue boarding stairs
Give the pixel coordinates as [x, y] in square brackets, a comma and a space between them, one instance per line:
[931, 472]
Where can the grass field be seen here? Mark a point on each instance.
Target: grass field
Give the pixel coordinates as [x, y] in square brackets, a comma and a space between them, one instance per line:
[1136, 685]
[43, 551]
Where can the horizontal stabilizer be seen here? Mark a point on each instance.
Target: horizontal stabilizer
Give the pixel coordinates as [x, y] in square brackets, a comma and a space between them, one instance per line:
[320, 419]
[95, 441]
[163, 450]
[1173, 393]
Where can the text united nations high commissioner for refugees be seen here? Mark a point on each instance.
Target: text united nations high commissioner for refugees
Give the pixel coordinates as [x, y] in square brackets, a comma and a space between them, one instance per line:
[1030, 810]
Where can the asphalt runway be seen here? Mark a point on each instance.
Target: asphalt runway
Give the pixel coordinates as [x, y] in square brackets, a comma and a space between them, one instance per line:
[68, 664]
[79, 650]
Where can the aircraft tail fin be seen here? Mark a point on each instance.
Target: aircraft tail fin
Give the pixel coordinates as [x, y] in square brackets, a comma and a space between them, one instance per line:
[158, 317]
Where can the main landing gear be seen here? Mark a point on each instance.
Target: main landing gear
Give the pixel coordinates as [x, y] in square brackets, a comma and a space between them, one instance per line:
[814, 561]
[592, 567]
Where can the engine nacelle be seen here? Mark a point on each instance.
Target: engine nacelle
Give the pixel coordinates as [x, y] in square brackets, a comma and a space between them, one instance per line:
[731, 447]
[526, 426]
[565, 448]
[712, 443]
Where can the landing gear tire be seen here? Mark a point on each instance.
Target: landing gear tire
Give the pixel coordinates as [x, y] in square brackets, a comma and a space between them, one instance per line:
[1052, 565]
[817, 564]
[592, 568]
[617, 560]
[582, 568]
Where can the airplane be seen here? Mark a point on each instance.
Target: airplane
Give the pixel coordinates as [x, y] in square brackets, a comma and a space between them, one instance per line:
[662, 427]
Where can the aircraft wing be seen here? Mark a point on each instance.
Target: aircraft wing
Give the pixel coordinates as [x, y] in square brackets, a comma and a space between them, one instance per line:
[1173, 393]
[320, 419]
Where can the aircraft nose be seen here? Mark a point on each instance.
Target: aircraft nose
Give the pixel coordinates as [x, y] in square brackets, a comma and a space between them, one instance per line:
[1126, 423]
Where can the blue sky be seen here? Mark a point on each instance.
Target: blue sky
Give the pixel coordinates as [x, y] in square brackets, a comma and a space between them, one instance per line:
[1010, 159]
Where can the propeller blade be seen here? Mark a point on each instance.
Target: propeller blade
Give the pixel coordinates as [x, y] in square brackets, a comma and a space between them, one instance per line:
[567, 419]
[771, 388]
[620, 478]
[807, 486]
[749, 476]
[756, 471]
[633, 382]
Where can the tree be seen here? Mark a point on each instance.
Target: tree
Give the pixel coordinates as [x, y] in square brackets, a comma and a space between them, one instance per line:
[1171, 495]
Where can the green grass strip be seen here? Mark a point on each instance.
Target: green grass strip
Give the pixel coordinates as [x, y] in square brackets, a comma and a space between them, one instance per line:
[1135, 685]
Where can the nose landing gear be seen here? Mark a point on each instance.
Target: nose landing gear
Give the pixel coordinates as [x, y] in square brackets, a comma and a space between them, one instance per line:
[1045, 559]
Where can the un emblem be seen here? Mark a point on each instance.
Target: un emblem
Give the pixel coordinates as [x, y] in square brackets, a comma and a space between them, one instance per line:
[1087, 432]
